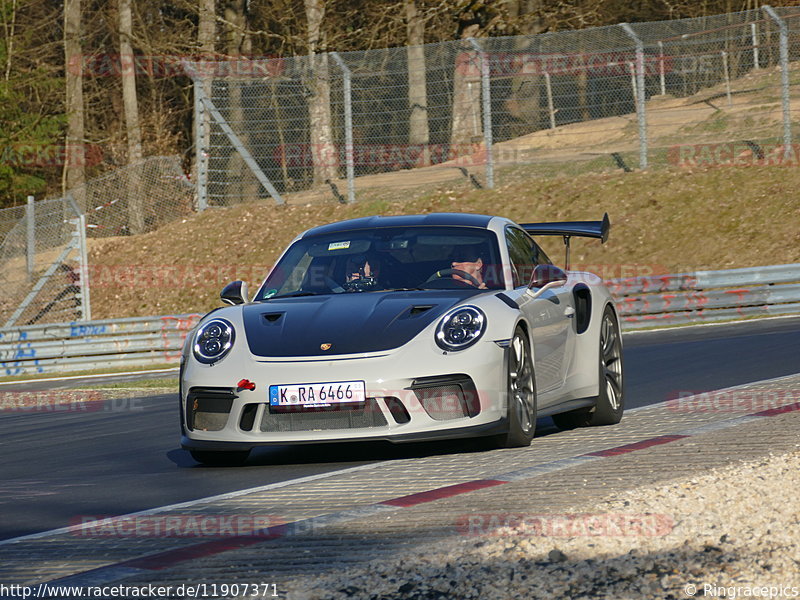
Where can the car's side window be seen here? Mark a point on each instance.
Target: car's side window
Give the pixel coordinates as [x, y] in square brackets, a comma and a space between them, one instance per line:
[540, 258]
[521, 253]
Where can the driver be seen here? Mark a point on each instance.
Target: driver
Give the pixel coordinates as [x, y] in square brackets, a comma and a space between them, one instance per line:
[469, 261]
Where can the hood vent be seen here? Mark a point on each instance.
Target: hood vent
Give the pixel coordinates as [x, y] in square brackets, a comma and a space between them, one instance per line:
[271, 318]
[419, 309]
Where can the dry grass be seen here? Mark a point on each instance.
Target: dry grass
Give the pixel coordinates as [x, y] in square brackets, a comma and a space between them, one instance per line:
[666, 221]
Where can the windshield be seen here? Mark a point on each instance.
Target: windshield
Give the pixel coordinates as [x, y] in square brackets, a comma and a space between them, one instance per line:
[387, 259]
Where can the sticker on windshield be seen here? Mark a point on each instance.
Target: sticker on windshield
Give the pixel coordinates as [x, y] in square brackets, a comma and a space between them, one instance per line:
[339, 245]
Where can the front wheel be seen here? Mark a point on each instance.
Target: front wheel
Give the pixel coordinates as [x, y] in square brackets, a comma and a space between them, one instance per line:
[220, 458]
[610, 402]
[521, 384]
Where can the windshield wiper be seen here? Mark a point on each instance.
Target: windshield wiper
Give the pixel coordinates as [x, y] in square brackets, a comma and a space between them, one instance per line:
[294, 295]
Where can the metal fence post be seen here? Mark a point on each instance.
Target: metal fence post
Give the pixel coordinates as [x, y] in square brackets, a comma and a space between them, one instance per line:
[727, 74]
[550, 108]
[83, 269]
[754, 36]
[348, 127]
[784, 57]
[30, 222]
[201, 152]
[487, 111]
[640, 99]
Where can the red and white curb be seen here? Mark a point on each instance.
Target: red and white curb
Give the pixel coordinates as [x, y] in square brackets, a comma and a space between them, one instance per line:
[169, 558]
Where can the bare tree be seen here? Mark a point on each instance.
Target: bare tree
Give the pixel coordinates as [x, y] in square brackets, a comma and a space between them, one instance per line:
[131, 107]
[74, 166]
[466, 125]
[524, 102]
[418, 133]
[9, 30]
[244, 185]
[207, 27]
[206, 42]
[323, 150]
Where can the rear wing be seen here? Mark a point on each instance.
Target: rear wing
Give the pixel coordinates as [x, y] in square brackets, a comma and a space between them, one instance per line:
[592, 229]
[567, 229]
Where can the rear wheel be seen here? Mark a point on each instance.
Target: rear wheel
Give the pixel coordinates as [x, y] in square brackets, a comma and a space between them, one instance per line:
[521, 385]
[221, 458]
[610, 402]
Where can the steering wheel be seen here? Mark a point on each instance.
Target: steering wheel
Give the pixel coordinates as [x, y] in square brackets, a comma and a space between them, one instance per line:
[459, 272]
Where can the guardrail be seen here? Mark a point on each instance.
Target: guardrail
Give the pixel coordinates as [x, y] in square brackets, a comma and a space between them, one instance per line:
[707, 296]
[703, 296]
[94, 345]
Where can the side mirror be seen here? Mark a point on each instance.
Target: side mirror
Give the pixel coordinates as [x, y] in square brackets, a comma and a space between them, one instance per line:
[234, 293]
[544, 275]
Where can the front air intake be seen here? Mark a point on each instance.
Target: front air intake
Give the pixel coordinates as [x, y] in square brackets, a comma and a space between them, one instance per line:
[207, 409]
[447, 397]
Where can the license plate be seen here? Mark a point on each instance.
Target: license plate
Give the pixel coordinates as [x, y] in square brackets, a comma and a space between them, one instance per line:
[317, 394]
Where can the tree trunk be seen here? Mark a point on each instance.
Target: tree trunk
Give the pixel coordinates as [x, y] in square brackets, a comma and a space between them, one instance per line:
[207, 27]
[467, 125]
[323, 150]
[242, 182]
[136, 222]
[206, 42]
[418, 134]
[74, 174]
[524, 101]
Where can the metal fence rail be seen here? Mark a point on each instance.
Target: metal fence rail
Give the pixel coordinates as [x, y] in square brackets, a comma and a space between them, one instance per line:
[703, 296]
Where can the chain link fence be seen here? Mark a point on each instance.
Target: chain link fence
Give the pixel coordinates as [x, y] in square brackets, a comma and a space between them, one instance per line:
[645, 95]
[43, 247]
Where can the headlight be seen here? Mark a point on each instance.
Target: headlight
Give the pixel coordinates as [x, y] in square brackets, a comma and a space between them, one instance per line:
[460, 328]
[213, 340]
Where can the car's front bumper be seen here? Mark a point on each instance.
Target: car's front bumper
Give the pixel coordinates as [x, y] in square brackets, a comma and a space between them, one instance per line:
[405, 401]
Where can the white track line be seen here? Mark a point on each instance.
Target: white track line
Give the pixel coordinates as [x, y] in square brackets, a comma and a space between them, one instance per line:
[710, 324]
[70, 377]
[226, 496]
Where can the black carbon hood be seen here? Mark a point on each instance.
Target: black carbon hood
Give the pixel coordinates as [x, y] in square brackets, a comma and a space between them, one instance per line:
[350, 323]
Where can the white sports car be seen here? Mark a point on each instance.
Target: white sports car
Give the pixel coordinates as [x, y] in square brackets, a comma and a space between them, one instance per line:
[407, 328]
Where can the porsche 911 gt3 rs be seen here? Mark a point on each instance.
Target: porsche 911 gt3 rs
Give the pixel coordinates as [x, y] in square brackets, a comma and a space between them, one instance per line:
[407, 328]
